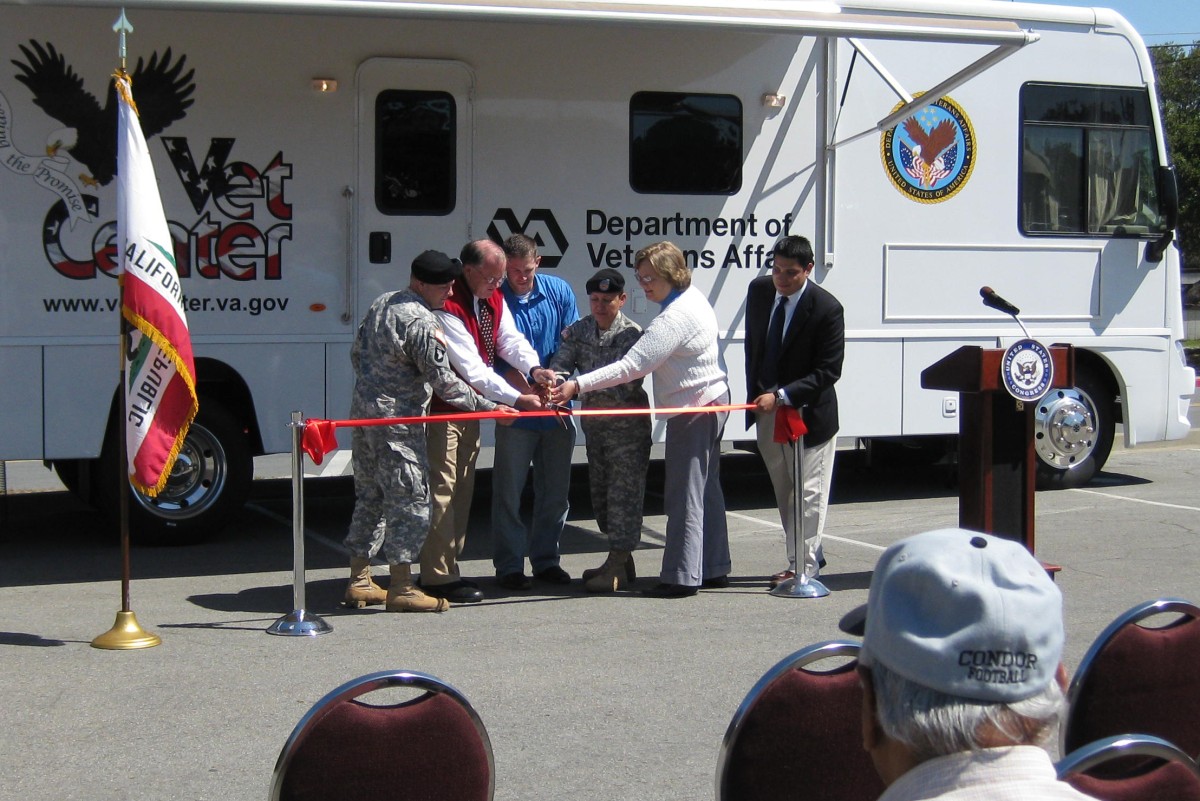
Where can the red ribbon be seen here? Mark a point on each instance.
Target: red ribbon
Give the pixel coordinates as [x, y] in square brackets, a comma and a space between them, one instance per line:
[789, 425]
[319, 438]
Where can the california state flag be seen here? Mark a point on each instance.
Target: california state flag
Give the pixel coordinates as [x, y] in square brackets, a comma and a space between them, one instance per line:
[160, 389]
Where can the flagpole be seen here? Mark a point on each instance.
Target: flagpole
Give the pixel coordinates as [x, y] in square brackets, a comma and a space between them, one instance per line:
[126, 633]
[122, 479]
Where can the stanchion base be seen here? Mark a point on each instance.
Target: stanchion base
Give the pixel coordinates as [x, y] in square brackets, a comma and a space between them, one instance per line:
[126, 635]
[299, 624]
[800, 588]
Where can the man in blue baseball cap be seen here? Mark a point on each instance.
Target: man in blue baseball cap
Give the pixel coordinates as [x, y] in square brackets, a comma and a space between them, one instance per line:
[961, 668]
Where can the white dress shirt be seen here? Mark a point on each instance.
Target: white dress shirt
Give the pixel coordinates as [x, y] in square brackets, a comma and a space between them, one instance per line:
[511, 346]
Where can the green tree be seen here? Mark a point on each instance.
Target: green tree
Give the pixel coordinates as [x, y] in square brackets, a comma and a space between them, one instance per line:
[1177, 68]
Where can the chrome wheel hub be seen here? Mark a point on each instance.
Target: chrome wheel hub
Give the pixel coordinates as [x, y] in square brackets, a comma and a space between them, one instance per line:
[1065, 428]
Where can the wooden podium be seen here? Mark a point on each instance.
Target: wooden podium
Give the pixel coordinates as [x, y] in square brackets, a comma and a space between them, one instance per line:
[997, 464]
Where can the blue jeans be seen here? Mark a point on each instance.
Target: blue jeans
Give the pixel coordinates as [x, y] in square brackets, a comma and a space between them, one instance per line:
[549, 451]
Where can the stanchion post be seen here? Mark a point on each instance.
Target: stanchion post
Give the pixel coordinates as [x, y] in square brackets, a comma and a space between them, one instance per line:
[300, 623]
[801, 586]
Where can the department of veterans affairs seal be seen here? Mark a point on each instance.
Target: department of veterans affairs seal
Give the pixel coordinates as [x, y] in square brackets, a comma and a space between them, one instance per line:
[1027, 370]
[929, 157]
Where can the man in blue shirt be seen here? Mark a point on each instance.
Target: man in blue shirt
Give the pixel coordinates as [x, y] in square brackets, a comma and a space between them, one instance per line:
[541, 306]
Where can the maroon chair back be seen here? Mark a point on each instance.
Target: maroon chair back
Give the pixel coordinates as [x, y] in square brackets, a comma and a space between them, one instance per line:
[799, 733]
[432, 748]
[1140, 679]
[1162, 772]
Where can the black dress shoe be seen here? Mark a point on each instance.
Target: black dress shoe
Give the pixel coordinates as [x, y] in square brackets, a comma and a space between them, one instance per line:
[456, 592]
[553, 575]
[664, 590]
[514, 581]
[715, 583]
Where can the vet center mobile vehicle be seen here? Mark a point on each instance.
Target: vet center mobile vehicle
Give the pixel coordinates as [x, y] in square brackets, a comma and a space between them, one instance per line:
[306, 150]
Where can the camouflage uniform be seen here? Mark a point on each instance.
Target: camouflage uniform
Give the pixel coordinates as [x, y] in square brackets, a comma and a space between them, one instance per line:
[399, 359]
[618, 447]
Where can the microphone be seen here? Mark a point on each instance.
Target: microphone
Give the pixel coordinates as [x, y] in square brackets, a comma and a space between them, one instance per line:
[994, 301]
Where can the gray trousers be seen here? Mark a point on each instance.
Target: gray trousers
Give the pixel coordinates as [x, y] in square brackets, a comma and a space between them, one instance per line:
[697, 532]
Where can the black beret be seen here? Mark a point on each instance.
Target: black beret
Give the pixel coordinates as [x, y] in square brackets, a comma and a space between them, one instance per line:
[435, 267]
[606, 280]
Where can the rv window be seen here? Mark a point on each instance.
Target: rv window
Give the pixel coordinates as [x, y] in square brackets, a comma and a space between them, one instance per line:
[414, 152]
[685, 144]
[1087, 162]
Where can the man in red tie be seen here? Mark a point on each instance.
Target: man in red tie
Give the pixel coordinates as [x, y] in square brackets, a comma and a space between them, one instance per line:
[795, 341]
[478, 332]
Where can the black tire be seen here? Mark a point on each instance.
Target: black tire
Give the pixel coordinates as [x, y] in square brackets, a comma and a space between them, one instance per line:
[208, 485]
[74, 474]
[1073, 431]
[906, 452]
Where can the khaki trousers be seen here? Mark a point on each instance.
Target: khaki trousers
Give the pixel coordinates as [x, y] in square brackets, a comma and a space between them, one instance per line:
[453, 448]
[814, 490]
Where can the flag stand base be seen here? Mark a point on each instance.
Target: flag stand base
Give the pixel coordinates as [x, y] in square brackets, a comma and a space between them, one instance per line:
[300, 624]
[126, 635]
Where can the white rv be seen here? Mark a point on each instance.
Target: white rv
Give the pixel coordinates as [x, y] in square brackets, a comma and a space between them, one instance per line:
[306, 150]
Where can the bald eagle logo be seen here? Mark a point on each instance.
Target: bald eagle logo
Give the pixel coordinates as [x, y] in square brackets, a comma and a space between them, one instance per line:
[162, 88]
[930, 155]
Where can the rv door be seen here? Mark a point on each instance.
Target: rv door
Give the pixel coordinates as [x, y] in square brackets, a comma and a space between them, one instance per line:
[414, 168]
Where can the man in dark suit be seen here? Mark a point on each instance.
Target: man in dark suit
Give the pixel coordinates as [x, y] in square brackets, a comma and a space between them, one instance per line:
[795, 341]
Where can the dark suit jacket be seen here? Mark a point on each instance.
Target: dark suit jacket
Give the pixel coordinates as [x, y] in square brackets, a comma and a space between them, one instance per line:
[810, 361]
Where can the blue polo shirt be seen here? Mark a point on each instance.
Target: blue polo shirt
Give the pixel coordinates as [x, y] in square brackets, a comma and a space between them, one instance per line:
[541, 316]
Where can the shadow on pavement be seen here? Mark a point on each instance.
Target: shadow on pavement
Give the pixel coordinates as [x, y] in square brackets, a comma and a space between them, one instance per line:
[51, 538]
[34, 640]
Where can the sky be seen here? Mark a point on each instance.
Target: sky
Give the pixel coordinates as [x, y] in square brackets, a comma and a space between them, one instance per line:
[1158, 21]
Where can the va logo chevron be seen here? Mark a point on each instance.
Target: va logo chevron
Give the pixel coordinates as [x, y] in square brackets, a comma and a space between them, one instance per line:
[539, 225]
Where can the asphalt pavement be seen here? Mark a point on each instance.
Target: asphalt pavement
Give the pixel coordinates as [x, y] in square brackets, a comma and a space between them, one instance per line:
[584, 696]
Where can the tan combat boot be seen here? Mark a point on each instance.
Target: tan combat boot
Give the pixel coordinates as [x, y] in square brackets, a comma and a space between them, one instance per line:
[402, 596]
[362, 590]
[630, 571]
[613, 574]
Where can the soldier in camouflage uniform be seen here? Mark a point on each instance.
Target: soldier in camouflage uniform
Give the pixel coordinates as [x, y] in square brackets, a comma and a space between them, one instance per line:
[399, 358]
[618, 447]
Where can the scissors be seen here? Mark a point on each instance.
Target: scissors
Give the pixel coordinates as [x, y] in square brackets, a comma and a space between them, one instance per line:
[560, 411]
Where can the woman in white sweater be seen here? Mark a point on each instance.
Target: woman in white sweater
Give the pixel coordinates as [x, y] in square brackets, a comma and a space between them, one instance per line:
[680, 348]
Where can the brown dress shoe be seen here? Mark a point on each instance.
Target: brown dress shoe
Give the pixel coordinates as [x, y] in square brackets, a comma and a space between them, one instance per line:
[781, 576]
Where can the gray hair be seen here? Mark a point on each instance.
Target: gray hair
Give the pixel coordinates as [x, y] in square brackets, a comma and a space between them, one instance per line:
[932, 723]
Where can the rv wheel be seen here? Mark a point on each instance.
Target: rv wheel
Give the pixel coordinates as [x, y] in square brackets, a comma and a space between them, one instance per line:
[209, 483]
[1073, 431]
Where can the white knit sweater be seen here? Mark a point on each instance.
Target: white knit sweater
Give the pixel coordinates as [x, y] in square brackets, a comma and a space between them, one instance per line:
[680, 348]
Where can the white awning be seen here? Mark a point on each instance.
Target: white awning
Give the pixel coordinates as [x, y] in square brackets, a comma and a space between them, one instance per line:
[801, 17]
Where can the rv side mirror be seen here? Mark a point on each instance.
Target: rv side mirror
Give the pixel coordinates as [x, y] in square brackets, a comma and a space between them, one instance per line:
[1168, 196]
[1168, 204]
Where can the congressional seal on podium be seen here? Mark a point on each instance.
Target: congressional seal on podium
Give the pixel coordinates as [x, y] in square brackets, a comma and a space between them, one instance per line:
[1027, 370]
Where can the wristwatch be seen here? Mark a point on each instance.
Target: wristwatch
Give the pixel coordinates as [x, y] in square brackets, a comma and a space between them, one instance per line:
[779, 396]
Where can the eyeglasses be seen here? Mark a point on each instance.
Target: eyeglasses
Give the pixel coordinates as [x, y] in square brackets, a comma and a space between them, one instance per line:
[497, 281]
[646, 279]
